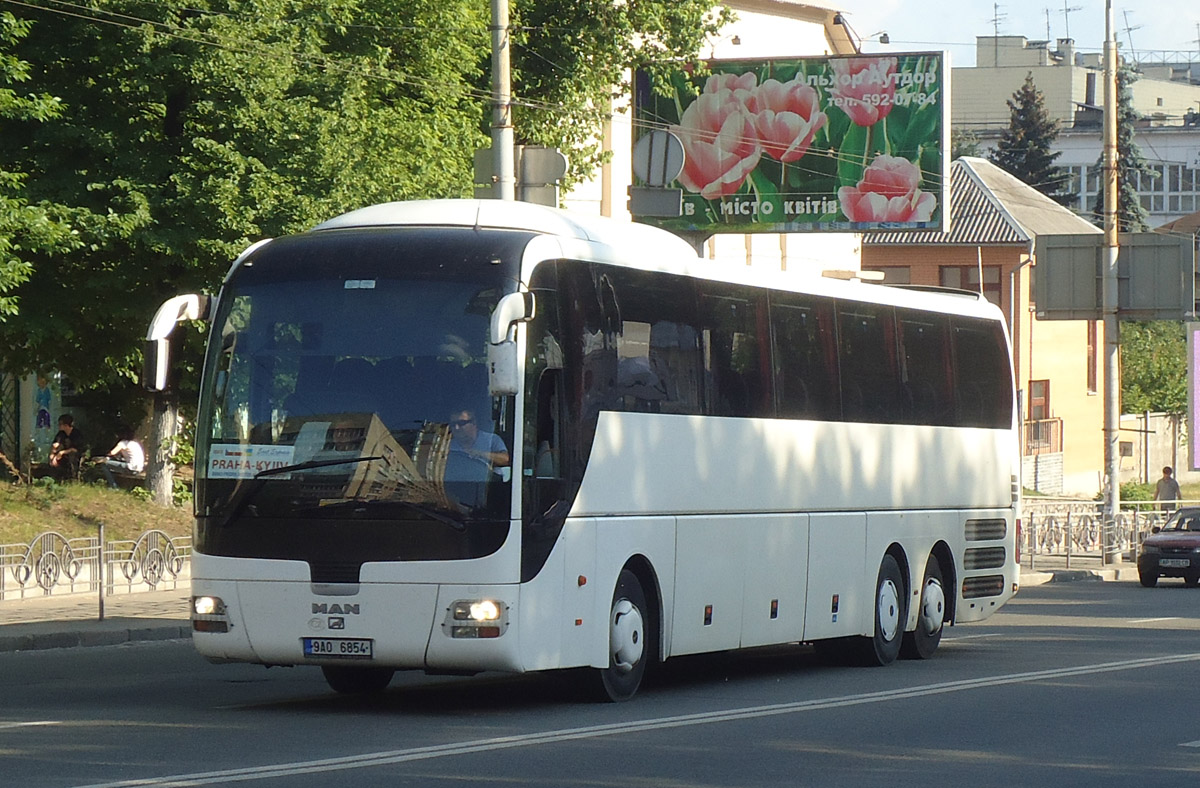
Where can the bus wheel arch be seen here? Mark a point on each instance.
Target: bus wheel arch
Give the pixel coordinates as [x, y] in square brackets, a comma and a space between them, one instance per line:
[933, 606]
[633, 633]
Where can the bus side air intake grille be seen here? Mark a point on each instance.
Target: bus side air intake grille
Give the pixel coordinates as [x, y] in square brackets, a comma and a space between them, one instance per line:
[984, 557]
[988, 585]
[334, 571]
[986, 530]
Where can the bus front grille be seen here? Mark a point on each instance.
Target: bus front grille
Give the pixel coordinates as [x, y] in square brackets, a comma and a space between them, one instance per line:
[984, 557]
[988, 585]
[334, 571]
[986, 530]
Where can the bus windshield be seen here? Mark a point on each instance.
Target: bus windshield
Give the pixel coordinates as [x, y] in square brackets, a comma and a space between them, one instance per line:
[346, 380]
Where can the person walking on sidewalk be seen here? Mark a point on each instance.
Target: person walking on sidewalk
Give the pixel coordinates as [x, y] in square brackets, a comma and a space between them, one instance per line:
[1167, 490]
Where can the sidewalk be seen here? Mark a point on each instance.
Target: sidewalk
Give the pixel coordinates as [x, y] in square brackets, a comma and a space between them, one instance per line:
[72, 620]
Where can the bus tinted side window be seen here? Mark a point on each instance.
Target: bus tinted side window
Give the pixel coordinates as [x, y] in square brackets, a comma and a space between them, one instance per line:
[982, 376]
[737, 372]
[867, 356]
[925, 366]
[804, 350]
[659, 366]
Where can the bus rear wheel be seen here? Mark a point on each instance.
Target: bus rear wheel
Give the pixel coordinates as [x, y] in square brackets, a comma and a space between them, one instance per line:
[628, 642]
[923, 641]
[357, 681]
[891, 611]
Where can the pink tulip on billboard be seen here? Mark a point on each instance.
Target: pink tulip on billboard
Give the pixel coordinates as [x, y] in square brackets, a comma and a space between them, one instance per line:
[741, 84]
[720, 144]
[888, 192]
[786, 117]
[864, 88]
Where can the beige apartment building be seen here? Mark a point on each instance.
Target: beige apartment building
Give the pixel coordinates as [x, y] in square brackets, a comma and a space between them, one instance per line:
[1166, 96]
[990, 249]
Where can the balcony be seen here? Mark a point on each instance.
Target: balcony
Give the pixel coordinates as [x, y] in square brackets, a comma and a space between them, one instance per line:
[1041, 436]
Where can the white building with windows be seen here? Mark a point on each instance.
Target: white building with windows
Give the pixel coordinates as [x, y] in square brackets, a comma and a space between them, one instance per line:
[1167, 98]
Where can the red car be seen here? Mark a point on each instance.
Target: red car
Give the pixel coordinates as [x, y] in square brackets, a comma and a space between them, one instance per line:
[1172, 550]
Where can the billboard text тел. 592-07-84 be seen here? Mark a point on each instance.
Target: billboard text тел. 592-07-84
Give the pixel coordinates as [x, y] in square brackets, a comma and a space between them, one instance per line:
[809, 144]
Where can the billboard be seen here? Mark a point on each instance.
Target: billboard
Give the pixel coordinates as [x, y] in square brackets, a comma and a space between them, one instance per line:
[805, 145]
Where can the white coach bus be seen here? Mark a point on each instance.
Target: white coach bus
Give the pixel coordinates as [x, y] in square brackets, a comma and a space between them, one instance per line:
[461, 436]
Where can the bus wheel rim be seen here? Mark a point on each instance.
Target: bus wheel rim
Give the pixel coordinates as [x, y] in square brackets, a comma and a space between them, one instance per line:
[889, 610]
[933, 606]
[626, 636]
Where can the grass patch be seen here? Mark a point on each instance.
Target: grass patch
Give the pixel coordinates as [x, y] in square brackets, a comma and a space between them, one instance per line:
[75, 509]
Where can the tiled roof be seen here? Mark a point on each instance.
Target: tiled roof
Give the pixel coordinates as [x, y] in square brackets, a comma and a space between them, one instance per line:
[989, 207]
[1184, 224]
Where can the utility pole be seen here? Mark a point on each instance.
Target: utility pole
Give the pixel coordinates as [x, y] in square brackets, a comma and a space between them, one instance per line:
[503, 155]
[1112, 326]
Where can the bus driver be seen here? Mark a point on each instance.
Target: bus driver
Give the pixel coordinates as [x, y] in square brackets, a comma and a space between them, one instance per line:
[467, 438]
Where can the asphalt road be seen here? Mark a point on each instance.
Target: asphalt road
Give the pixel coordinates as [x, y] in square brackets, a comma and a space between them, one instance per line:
[1074, 684]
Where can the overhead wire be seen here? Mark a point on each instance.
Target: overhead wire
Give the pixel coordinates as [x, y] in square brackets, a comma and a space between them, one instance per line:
[252, 48]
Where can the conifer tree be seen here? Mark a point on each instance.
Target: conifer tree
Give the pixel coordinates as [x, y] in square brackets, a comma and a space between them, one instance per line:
[1024, 149]
[1132, 217]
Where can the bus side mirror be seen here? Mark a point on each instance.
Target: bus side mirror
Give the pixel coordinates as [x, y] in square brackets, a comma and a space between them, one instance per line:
[503, 377]
[156, 362]
[156, 365]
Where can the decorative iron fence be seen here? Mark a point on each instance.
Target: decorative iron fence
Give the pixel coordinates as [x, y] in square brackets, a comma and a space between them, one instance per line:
[54, 564]
[1076, 530]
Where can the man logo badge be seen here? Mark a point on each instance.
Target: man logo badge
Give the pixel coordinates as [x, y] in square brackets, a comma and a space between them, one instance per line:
[335, 609]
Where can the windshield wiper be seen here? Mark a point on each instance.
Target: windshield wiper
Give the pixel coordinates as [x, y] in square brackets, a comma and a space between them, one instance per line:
[304, 466]
[428, 511]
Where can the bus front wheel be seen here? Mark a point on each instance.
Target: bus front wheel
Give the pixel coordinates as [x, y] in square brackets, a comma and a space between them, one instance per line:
[891, 611]
[628, 642]
[357, 681]
[923, 641]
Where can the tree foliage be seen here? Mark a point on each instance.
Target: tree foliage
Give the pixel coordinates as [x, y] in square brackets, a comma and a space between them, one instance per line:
[1154, 367]
[25, 228]
[572, 57]
[1131, 164]
[191, 128]
[1024, 149]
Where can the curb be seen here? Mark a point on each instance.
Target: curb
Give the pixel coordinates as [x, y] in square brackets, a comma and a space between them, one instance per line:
[1124, 573]
[83, 638]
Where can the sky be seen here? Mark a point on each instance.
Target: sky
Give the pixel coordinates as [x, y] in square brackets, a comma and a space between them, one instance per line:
[1162, 27]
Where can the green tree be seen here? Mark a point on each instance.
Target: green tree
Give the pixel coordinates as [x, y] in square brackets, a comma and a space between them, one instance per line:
[572, 57]
[195, 127]
[1024, 149]
[25, 228]
[1131, 165]
[190, 133]
[964, 142]
[1154, 367]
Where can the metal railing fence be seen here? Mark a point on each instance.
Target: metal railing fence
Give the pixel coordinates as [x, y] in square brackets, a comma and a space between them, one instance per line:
[1075, 530]
[54, 564]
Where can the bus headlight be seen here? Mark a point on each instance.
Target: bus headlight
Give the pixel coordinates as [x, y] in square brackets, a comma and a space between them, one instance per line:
[476, 618]
[209, 614]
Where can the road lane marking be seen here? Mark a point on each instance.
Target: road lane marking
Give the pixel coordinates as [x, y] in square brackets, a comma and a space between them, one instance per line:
[4, 726]
[1153, 620]
[391, 757]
